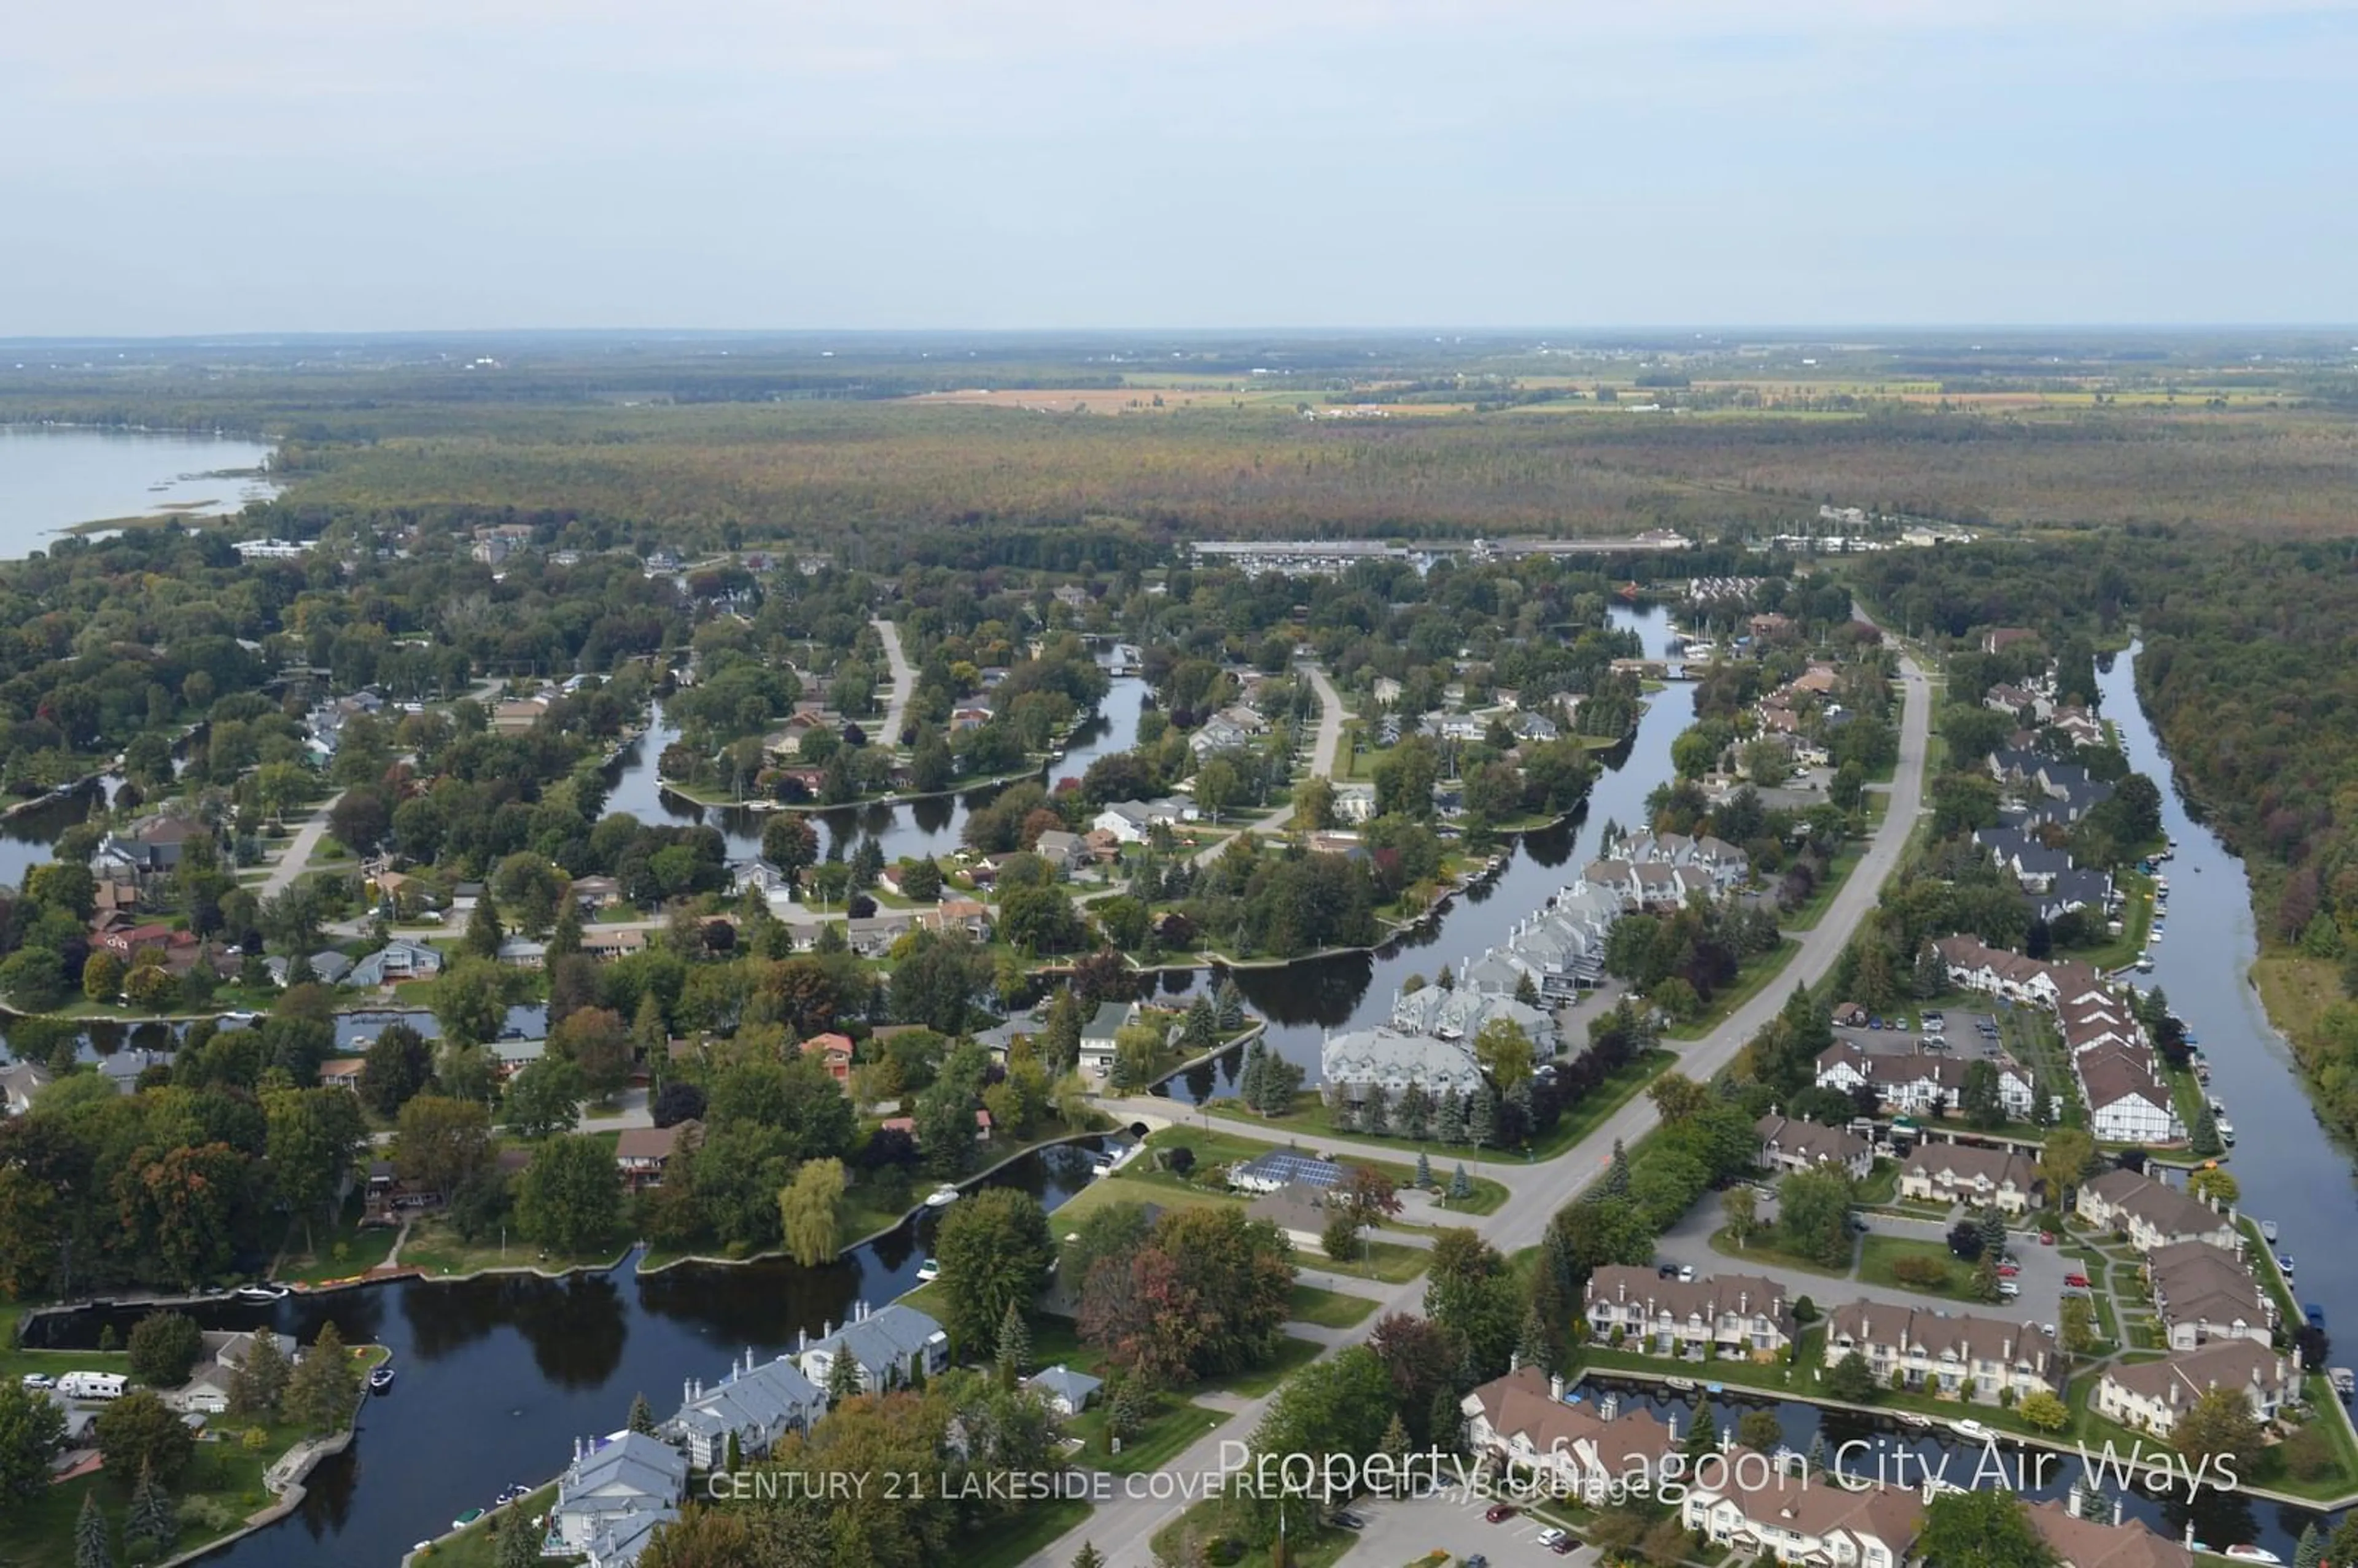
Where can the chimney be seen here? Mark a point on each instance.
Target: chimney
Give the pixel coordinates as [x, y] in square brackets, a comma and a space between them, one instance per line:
[1556, 1389]
[1514, 1362]
[2116, 1514]
[802, 1340]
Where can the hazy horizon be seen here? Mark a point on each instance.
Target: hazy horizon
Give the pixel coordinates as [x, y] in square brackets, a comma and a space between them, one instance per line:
[260, 168]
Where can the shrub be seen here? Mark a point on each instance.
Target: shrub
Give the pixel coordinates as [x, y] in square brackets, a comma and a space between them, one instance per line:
[1923, 1272]
[1805, 1312]
[2306, 1454]
[164, 1349]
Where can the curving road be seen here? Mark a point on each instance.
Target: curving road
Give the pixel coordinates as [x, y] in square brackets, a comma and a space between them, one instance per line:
[1323, 754]
[1536, 1193]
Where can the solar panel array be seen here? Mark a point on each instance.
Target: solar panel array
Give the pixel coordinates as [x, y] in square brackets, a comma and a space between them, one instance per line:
[1304, 1170]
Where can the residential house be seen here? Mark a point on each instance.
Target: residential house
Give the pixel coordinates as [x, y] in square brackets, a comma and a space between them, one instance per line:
[1961, 1354]
[1355, 1065]
[2203, 1293]
[611, 1480]
[1097, 1052]
[146, 849]
[1800, 1519]
[2151, 1212]
[393, 963]
[756, 1405]
[1908, 1078]
[2093, 1543]
[834, 1053]
[1462, 1012]
[889, 1345]
[20, 1082]
[523, 953]
[1065, 1391]
[594, 893]
[510, 1057]
[606, 945]
[2150, 1395]
[1066, 852]
[2126, 1103]
[1298, 1213]
[1354, 803]
[328, 967]
[1730, 1314]
[1131, 820]
[343, 1072]
[872, 936]
[1789, 1145]
[956, 915]
[642, 1152]
[1386, 691]
[1979, 1178]
[1599, 1452]
[1999, 639]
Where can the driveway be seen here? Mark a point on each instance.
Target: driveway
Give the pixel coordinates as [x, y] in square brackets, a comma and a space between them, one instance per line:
[1323, 752]
[298, 851]
[905, 681]
[1404, 1528]
[2041, 1279]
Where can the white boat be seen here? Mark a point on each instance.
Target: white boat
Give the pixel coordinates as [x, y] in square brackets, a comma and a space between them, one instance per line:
[942, 1196]
[2145, 963]
[2269, 1229]
[1974, 1430]
[1684, 1385]
[381, 1381]
[1915, 1417]
[2251, 1554]
[262, 1292]
[929, 1271]
[2218, 1106]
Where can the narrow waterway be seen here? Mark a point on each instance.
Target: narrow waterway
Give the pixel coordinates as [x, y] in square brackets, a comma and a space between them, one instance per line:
[2291, 1169]
[1304, 1002]
[498, 1376]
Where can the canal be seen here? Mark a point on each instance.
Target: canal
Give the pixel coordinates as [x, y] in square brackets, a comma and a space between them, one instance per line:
[499, 1375]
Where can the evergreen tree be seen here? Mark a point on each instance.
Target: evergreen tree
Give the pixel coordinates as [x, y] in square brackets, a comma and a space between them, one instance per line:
[1203, 1027]
[1394, 1441]
[842, 1378]
[643, 1415]
[92, 1548]
[1617, 1175]
[1415, 1112]
[867, 862]
[1445, 1421]
[1127, 1413]
[520, 1548]
[1817, 1454]
[152, 1518]
[1481, 1116]
[325, 1386]
[1461, 1185]
[1699, 1441]
[1088, 1556]
[1525, 991]
[1374, 1112]
[1231, 1009]
[1449, 1124]
[484, 934]
[1249, 1081]
[1424, 1170]
[1446, 979]
[1993, 1229]
[565, 938]
[2204, 1141]
[1532, 1345]
[2310, 1552]
[1014, 1346]
[260, 1381]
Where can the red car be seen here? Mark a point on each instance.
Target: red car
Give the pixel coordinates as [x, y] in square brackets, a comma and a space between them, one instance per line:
[2047, 1238]
[1500, 1512]
[2008, 1270]
[2075, 1282]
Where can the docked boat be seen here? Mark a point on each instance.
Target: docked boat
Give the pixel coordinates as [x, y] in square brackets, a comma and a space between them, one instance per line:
[1915, 1417]
[2218, 1106]
[929, 1271]
[381, 1381]
[2251, 1554]
[2145, 963]
[262, 1292]
[2269, 1229]
[2344, 1380]
[2284, 1261]
[1974, 1430]
[1684, 1385]
[942, 1196]
[2226, 1132]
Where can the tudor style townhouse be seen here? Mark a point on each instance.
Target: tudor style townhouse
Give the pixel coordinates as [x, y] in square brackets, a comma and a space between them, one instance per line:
[1734, 1315]
[1963, 1355]
[2151, 1395]
[2203, 1292]
[1522, 1422]
[1979, 1178]
[1806, 1519]
[2151, 1212]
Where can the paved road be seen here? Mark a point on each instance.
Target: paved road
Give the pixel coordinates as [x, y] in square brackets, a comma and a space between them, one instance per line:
[1323, 754]
[298, 851]
[1538, 1193]
[1402, 1530]
[905, 681]
[2042, 1277]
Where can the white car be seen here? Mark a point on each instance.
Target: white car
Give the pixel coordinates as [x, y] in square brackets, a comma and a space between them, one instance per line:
[1549, 1536]
[39, 1380]
[1686, 1273]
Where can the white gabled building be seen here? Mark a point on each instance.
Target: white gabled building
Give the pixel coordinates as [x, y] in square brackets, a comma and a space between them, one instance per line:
[1808, 1519]
[755, 1404]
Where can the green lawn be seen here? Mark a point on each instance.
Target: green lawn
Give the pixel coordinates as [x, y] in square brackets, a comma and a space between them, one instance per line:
[1763, 1251]
[1174, 1424]
[14, 1363]
[437, 1248]
[348, 1249]
[1329, 1309]
[1305, 1546]
[1881, 1252]
[1219, 1147]
[1292, 1355]
[1014, 1541]
[478, 1545]
[1591, 1110]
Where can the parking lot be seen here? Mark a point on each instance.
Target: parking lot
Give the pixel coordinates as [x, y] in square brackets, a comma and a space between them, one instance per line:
[1404, 1530]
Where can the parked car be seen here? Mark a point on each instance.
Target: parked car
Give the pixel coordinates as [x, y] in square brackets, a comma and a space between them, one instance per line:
[39, 1380]
[2008, 1270]
[2047, 1238]
[1549, 1536]
[2075, 1282]
[2007, 1289]
[1500, 1513]
[1686, 1273]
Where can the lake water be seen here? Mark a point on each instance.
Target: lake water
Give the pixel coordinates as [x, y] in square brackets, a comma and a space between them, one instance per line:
[52, 478]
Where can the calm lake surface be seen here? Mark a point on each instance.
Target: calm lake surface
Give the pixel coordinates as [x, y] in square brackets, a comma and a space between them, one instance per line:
[53, 477]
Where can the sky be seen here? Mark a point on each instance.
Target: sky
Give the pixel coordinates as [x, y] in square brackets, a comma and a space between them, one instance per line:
[285, 165]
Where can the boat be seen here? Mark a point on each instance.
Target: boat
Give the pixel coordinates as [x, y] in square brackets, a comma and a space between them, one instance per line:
[2251, 1554]
[942, 1196]
[464, 1519]
[1974, 1430]
[1684, 1385]
[2145, 963]
[2226, 1132]
[2284, 1261]
[262, 1292]
[2344, 1380]
[2269, 1229]
[1915, 1417]
[381, 1381]
[2316, 1316]
[2218, 1106]
[929, 1271]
